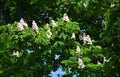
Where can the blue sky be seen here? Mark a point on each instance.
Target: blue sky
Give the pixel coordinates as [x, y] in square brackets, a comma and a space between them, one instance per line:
[59, 72]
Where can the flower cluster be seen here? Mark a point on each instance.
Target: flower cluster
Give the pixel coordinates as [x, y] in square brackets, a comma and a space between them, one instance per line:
[25, 25]
[105, 60]
[22, 25]
[80, 64]
[34, 26]
[66, 18]
[53, 23]
[16, 54]
[86, 39]
[77, 49]
[49, 35]
[73, 36]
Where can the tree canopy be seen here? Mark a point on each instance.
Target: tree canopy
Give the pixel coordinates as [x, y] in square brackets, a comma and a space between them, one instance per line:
[85, 34]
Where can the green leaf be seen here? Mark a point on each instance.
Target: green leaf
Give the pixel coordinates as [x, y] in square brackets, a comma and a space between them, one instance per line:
[86, 59]
[99, 47]
[72, 52]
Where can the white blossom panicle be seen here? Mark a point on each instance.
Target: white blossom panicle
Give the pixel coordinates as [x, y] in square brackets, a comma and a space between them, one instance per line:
[73, 36]
[112, 5]
[105, 60]
[35, 27]
[20, 26]
[89, 40]
[77, 49]
[25, 25]
[86, 40]
[17, 54]
[98, 62]
[49, 35]
[66, 18]
[21, 20]
[80, 64]
[53, 23]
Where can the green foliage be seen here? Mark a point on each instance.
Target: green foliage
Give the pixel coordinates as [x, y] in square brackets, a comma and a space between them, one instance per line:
[99, 19]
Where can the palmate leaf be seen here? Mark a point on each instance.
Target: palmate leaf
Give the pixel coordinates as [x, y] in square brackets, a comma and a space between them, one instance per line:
[71, 62]
[58, 44]
[86, 59]
[63, 36]
[72, 52]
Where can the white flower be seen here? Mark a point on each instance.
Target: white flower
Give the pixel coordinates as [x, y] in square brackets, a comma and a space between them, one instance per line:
[86, 40]
[80, 64]
[77, 49]
[112, 5]
[20, 26]
[89, 40]
[49, 35]
[34, 26]
[21, 20]
[17, 54]
[105, 60]
[25, 25]
[98, 62]
[53, 23]
[73, 36]
[65, 18]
